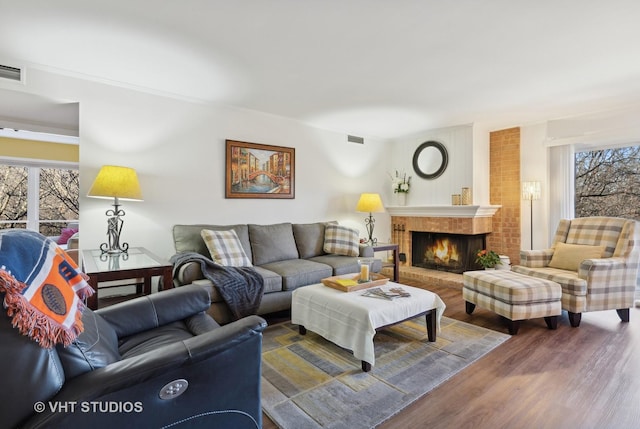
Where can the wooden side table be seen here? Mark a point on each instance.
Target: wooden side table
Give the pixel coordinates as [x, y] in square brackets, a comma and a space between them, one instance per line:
[137, 263]
[380, 247]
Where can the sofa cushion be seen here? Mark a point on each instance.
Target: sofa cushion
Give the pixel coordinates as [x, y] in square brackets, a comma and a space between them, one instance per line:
[569, 280]
[339, 263]
[345, 264]
[341, 240]
[309, 239]
[272, 281]
[299, 272]
[95, 347]
[569, 256]
[187, 238]
[225, 248]
[271, 243]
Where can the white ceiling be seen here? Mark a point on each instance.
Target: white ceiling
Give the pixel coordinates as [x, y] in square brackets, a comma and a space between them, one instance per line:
[381, 68]
[24, 111]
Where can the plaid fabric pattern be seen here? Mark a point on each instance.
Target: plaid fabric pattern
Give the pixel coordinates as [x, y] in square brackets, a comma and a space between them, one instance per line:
[513, 311]
[225, 248]
[599, 284]
[597, 231]
[536, 258]
[561, 232]
[512, 288]
[341, 240]
[568, 280]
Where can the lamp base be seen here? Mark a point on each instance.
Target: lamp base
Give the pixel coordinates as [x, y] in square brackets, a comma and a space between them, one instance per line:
[370, 224]
[104, 247]
[114, 228]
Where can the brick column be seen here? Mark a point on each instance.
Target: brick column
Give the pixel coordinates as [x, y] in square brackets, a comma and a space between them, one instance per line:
[504, 172]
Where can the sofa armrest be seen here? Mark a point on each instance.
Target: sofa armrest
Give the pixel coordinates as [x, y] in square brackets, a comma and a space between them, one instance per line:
[187, 274]
[158, 309]
[535, 258]
[222, 368]
[365, 251]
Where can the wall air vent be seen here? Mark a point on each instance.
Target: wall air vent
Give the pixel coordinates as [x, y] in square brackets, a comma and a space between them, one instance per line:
[355, 139]
[12, 73]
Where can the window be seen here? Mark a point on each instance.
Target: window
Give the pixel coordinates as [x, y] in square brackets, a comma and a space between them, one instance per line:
[607, 182]
[13, 196]
[43, 197]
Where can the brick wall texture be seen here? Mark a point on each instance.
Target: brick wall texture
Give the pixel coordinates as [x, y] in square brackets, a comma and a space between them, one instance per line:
[503, 227]
[504, 171]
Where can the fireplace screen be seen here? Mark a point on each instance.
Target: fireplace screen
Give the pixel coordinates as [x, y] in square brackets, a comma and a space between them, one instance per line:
[448, 252]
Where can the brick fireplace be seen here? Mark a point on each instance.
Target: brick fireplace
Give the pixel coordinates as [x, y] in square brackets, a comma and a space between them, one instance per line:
[455, 253]
[471, 222]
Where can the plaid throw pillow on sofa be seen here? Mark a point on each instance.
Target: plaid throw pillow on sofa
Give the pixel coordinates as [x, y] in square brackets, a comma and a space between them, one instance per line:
[341, 240]
[225, 248]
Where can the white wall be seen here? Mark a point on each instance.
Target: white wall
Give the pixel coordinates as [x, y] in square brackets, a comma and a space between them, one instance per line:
[534, 159]
[547, 155]
[178, 150]
[459, 141]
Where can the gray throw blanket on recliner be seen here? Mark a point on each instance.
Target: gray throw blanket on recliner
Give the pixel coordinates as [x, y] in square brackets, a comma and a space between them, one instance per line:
[241, 288]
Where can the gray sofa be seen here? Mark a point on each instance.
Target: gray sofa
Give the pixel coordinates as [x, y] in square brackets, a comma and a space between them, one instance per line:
[286, 255]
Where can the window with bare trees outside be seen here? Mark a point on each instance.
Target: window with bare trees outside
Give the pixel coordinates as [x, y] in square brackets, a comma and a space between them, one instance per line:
[607, 182]
[13, 194]
[41, 198]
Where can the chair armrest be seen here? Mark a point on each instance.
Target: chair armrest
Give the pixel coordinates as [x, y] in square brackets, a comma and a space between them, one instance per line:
[158, 309]
[222, 368]
[610, 280]
[535, 258]
[588, 267]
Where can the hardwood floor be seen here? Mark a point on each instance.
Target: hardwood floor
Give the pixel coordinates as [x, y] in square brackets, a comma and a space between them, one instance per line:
[585, 377]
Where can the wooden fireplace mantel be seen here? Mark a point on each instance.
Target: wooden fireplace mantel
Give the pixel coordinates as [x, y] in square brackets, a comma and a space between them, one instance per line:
[443, 211]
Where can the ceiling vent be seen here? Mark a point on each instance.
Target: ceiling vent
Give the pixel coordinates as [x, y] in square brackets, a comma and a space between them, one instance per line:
[11, 73]
[355, 139]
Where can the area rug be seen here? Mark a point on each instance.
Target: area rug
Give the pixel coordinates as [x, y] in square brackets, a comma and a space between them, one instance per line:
[308, 382]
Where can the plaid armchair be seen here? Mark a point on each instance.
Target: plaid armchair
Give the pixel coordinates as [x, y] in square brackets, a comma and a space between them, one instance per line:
[590, 282]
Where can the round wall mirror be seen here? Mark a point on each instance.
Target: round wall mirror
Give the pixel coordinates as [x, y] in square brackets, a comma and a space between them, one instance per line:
[430, 159]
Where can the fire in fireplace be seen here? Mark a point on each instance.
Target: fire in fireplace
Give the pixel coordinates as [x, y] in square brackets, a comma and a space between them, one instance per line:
[455, 253]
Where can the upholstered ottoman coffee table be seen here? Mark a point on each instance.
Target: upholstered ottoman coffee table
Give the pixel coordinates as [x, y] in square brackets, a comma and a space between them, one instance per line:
[512, 295]
[350, 319]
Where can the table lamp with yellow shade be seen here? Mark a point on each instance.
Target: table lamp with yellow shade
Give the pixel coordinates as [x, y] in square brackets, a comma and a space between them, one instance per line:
[119, 183]
[370, 203]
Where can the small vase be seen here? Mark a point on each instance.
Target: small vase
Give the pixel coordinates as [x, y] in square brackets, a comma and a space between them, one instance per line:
[489, 268]
[402, 198]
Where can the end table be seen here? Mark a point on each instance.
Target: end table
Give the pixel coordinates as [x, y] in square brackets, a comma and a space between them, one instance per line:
[137, 263]
[380, 247]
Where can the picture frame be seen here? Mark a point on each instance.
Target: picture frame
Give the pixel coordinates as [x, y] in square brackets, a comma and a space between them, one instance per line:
[255, 170]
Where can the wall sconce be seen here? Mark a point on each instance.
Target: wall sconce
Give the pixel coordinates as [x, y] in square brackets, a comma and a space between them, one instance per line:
[530, 192]
[370, 203]
[117, 183]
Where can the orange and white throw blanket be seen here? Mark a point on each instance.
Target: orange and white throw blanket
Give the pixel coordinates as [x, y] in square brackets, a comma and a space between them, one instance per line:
[44, 288]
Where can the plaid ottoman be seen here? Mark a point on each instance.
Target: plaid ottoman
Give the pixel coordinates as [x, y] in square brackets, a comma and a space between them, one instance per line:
[512, 295]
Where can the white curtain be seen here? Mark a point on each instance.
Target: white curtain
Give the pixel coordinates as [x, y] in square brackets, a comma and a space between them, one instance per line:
[561, 186]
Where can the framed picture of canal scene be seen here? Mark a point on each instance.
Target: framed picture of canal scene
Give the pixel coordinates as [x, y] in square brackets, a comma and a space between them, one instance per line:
[259, 171]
